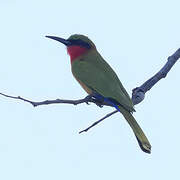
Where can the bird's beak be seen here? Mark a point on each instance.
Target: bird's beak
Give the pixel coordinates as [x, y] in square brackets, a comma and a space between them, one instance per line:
[64, 41]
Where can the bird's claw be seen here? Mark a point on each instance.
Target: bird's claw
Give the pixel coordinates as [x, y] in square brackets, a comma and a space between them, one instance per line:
[87, 99]
[99, 104]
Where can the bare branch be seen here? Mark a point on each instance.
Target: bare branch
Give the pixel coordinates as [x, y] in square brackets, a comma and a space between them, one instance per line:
[86, 100]
[97, 122]
[138, 93]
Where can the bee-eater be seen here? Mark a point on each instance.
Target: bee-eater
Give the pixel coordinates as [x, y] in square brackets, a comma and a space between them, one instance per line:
[97, 77]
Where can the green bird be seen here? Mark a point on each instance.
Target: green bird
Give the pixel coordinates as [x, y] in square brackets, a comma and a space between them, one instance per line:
[97, 77]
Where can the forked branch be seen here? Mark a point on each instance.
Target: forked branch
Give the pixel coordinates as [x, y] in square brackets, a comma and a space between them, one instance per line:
[138, 93]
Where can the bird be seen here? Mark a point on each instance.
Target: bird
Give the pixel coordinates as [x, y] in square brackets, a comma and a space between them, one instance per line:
[98, 79]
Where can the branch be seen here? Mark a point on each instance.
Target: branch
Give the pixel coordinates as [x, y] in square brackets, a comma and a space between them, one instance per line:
[97, 122]
[138, 94]
[86, 100]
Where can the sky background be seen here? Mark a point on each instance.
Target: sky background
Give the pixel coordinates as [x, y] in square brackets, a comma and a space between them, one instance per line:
[135, 37]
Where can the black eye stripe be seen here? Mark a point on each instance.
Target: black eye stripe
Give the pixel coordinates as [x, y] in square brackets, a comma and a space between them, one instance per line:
[80, 43]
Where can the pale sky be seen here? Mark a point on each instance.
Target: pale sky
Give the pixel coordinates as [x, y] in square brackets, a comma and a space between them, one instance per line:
[135, 38]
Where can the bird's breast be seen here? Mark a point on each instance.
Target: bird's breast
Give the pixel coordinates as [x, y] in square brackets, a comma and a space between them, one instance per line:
[88, 90]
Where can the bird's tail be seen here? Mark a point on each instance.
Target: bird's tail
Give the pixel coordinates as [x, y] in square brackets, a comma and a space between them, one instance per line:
[141, 138]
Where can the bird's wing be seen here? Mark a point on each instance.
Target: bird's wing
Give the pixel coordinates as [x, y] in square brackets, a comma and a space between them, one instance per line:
[96, 74]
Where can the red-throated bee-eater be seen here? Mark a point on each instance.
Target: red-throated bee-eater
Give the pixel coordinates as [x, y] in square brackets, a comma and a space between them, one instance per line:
[96, 76]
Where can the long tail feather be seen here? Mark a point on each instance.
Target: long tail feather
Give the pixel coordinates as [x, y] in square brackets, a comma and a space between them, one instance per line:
[140, 136]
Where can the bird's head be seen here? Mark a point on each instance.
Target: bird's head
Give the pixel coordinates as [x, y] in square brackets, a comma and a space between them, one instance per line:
[77, 45]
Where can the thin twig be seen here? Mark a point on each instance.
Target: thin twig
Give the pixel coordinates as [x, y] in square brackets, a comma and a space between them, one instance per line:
[87, 100]
[97, 122]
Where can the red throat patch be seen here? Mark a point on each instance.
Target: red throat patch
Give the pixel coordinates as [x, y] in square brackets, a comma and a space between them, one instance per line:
[76, 51]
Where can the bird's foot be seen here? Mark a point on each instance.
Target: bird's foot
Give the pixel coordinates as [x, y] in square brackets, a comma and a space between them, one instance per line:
[88, 99]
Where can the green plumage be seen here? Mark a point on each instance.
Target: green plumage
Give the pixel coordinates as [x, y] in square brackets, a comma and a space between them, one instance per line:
[95, 73]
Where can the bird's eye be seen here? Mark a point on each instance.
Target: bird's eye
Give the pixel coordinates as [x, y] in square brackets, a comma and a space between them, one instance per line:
[79, 42]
